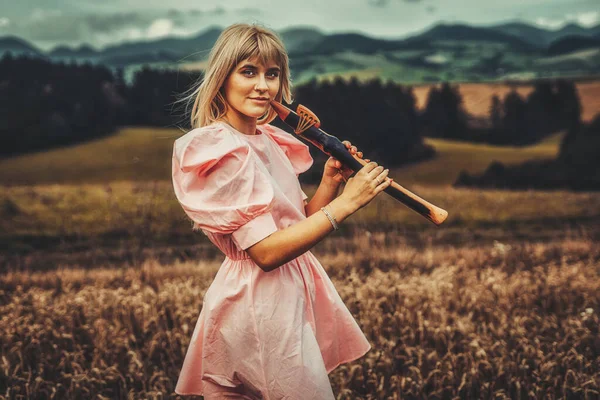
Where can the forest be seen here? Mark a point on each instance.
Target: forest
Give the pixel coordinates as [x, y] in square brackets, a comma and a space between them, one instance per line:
[46, 105]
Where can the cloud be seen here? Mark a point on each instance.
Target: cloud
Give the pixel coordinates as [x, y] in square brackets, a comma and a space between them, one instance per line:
[549, 23]
[39, 14]
[48, 28]
[383, 3]
[587, 19]
[4, 22]
[378, 3]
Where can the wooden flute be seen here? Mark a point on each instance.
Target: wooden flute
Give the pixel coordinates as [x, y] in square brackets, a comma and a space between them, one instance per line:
[306, 124]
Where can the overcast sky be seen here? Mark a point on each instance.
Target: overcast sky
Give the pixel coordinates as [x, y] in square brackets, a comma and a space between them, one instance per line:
[47, 23]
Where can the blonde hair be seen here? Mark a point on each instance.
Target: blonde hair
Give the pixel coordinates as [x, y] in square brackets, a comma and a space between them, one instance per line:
[236, 43]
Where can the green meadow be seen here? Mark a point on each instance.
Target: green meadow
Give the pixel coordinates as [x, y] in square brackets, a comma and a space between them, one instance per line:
[144, 154]
[120, 185]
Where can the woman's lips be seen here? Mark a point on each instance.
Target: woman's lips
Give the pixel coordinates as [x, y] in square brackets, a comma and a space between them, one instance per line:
[261, 101]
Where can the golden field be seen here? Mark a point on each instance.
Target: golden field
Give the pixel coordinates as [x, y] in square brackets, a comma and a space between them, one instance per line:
[104, 282]
[502, 321]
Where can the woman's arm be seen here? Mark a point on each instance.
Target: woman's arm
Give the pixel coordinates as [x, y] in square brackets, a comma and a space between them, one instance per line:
[286, 244]
[306, 233]
[326, 192]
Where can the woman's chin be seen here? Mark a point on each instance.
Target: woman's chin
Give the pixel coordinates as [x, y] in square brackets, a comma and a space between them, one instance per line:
[256, 113]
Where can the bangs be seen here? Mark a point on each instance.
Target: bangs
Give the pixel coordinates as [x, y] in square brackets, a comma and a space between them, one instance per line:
[263, 48]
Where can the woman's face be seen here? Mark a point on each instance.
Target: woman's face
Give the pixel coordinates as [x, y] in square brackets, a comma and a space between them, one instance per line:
[250, 87]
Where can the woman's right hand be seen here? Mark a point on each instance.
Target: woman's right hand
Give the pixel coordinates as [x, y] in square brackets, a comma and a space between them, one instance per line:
[364, 186]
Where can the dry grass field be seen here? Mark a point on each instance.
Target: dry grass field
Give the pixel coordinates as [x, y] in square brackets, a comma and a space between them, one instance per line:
[103, 283]
[496, 321]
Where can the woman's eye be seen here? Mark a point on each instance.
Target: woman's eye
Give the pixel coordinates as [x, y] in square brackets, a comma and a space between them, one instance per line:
[249, 73]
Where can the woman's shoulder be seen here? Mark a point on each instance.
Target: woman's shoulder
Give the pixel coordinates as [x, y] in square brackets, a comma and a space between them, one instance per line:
[207, 144]
[215, 134]
[297, 152]
[282, 137]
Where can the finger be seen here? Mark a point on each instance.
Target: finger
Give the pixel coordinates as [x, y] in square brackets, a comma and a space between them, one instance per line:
[375, 171]
[368, 167]
[347, 143]
[384, 185]
[353, 150]
[359, 154]
[379, 179]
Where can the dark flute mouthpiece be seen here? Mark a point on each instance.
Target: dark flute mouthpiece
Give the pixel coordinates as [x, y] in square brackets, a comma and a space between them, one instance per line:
[333, 147]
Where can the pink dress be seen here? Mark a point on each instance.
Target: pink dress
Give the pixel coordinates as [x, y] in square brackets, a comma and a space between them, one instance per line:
[260, 335]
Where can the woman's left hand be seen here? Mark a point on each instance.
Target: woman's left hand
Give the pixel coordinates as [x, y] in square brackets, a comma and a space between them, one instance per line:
[337, 173]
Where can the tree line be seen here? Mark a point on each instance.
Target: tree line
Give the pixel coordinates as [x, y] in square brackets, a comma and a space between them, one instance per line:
[577, 166]
[48, 104]
[45, 104]
[552, 106]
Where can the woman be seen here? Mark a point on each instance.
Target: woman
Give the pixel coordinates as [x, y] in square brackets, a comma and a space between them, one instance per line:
[272, 325]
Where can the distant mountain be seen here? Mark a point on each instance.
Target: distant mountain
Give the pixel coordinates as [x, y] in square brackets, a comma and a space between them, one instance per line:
[195, 48]
[17, 46]
[459, 32]
[363, 44]
[301, 39]
[543, 37]
[534, 35]
[160, 56]
[574, 29]
[570, 44]
[83, 51]
[442, 52]
[337, 43]
[517, 37]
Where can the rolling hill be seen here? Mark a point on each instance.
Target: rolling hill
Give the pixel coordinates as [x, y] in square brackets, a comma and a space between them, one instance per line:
[444, 52]
[144, 154]
[544, 37]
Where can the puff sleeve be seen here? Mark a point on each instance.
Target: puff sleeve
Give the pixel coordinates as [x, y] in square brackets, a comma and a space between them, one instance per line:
[221, 187]
[296, 151]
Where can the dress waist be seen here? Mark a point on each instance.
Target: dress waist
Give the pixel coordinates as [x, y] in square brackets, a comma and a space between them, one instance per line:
[238, 257]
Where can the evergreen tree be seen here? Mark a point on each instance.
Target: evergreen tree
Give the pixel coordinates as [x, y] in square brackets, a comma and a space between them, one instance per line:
[514, 118]
[444, 115]
[496, 116]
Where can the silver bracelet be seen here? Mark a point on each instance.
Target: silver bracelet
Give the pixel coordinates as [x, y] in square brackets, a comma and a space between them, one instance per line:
[331, 218]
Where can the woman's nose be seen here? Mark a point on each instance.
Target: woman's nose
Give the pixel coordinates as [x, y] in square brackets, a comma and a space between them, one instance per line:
[261, 85]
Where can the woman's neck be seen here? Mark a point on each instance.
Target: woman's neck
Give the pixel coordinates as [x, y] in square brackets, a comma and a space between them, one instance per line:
[243, 124]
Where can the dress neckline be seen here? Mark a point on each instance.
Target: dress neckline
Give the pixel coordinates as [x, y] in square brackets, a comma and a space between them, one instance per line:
[259, 133]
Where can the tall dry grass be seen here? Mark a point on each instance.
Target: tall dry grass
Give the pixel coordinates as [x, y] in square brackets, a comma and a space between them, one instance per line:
[498, 321]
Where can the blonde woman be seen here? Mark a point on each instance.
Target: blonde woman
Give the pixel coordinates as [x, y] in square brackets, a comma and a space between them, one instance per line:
[272, 325]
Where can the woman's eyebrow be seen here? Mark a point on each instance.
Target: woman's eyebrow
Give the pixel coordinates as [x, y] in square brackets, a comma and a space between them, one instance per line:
[249, 65]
